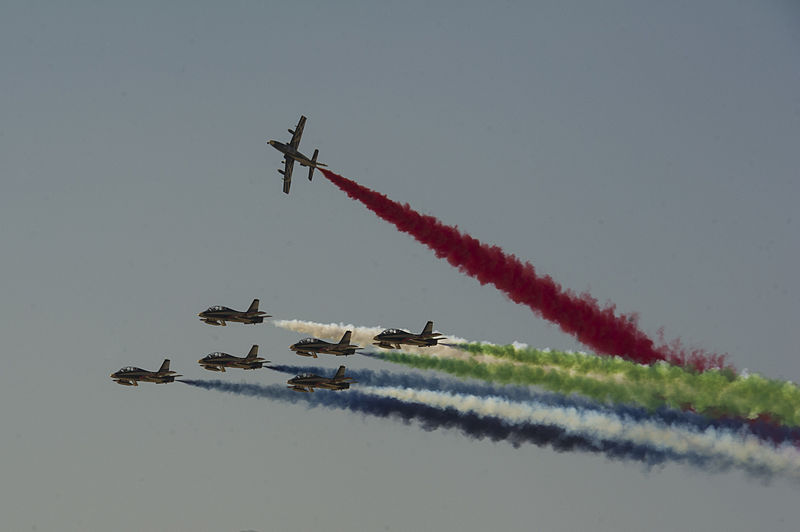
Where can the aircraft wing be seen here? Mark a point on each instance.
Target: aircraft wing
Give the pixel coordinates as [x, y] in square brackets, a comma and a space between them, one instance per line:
[287, 173]
[297, 133]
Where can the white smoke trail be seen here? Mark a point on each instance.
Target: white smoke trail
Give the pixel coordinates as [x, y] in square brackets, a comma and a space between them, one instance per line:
[363, 336]
[744, 451]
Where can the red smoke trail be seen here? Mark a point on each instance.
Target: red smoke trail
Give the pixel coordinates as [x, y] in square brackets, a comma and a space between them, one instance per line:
[579, 315]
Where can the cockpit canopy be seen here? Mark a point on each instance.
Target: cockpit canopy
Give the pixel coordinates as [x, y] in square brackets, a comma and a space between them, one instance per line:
[129, 369]
[307, 341]
[217, 308]
[393, 331]
[216, 355]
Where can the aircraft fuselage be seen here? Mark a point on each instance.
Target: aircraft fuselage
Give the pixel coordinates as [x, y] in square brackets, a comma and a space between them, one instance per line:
[395, 341]
[312, 350]
[220, 365]
[307, 384]
[133, 379]
[219, 318]
[219, 361]
[289, 151]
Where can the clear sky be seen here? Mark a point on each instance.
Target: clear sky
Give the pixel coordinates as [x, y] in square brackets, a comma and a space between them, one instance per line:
[644, 151]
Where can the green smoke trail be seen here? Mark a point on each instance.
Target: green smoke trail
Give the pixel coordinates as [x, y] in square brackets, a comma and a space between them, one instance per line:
[564, 360]
[714, 393]
[683, 387]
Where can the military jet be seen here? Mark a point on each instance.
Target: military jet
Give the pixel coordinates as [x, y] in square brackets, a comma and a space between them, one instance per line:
[129, 376]
[393, 338]
[291, 154]
[220, 361]
[308, 381]
[219, 315]
[309, 347]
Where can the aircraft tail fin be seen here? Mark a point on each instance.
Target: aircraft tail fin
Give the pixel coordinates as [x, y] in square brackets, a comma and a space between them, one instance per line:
[253, 352]
[313, 165]
[428, 329]
[253, 306]
[164, 366]
[339, 373]
[345, 338]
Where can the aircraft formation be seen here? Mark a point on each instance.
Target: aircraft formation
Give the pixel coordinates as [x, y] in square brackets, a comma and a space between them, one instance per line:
[477, 412]
[309, 347]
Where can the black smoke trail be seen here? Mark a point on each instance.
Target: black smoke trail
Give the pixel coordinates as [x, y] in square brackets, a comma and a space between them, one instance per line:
[472, 425]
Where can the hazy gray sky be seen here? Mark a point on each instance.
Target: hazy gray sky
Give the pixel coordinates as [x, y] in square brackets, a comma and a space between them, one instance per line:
[644, 151]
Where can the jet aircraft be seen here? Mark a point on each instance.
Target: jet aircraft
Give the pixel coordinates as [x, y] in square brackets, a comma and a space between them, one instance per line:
[393, 338]
[220, 361]
[129, 376]
[308, 381]
[219, 315]
[291, 154]
[310, 347]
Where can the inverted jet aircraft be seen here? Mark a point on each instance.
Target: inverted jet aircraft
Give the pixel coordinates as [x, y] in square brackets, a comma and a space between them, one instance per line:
[220, 361]
[308, 381]
[219, 315]
[310, 347]
[291, 154]
[129, 376]
[393, 338]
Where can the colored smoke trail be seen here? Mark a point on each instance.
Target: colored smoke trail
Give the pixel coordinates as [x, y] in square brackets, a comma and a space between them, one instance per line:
[721, 447]
[600, 328]
[745, 395]
[567, 430]
[454, 347]
[607, 379]
[431, 418]
[766, 432]
[710, 393]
